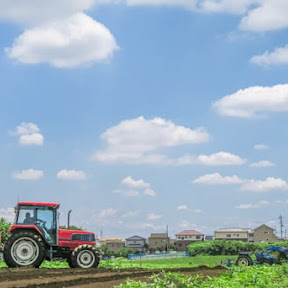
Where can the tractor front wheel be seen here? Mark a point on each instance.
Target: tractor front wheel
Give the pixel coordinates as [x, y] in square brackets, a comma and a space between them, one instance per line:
[24, 248]
[85, 256]
[244, 260]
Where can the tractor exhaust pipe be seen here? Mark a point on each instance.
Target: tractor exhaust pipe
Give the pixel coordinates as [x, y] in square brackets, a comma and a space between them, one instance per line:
[68, 222]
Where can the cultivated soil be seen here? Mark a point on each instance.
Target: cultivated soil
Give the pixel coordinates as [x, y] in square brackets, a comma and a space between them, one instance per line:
[86, 278]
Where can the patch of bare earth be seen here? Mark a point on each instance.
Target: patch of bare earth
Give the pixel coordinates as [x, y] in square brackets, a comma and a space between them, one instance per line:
[86, 278]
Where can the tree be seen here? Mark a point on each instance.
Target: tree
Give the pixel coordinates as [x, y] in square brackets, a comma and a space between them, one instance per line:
[123, 252]
[4, 229]
[72, 227]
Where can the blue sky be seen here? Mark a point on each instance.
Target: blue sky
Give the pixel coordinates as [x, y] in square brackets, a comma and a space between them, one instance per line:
[140, 114]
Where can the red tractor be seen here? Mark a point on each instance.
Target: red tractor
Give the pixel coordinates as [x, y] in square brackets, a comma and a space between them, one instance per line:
[35, 236]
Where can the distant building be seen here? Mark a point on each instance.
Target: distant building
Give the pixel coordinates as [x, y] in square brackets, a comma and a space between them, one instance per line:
[264, 233]
[209, 237]
[186, 237]
[242, 234]
[113, 243]
[159, 241]
[136, 243]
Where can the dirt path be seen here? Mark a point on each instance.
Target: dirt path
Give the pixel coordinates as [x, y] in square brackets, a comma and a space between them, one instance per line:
[96, 278]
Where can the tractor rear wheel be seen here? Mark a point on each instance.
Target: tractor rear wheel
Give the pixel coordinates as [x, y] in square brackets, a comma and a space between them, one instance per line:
[70, 261]
[24, 248]
[85, 256]
[244, 260]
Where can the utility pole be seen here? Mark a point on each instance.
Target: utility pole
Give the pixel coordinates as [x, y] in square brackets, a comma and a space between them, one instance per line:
[281, 225]
[167, 248]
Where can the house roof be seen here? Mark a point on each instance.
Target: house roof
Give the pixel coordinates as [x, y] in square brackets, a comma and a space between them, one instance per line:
[189, 233]
[158, 235]
[112, 239]
[234, 229]
[136, 237]
[264, 225]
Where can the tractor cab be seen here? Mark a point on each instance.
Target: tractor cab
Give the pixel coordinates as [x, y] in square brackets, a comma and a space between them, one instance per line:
[39, 216]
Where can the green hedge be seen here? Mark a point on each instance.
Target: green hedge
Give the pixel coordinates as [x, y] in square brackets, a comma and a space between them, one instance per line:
[229, 247]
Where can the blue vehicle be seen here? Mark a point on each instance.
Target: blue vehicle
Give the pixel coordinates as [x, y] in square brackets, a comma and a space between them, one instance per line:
[266, 256]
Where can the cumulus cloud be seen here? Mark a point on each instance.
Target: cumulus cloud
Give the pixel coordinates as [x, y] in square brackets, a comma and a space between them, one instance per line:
[71, 175]
[268, 15]
[136, 141]
[66, 43]
[182, 207]
[227, 6]
[259, 204]
[216, 159]
[251, 185]
[131, 187]
[220, 159]
[278, 57]
[33, 12]
[190, 4]
[257, 15]
[29, 174]
[153, 216]
[217, 179]
[267, 185]
[261, 164]
[107, 212]
[261, 147]
[7, 213]
[29, 134]
[250, 102]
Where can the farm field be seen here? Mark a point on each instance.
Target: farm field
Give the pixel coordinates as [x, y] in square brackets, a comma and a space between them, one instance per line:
[109, 273]
[199, 271]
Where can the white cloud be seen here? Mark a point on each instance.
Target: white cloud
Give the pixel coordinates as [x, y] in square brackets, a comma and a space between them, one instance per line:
[182, 207]
[130, 214]
[258, 15]
[261, 147]
[261, 164]
[189, 4]
[259, 204]
[29, 174]
[26, 128]
[250, 102]
[220, 159]
[107, 212]
[217, 179]
[8, 214]
[267, 185]
[153, 216]
[278, 57]
[33, 139]
[130, 182]
[75, 41]
[29, 134]
[227, 6]
[268, 15]
[71, 175]
[131, 187]
[252, 185]
[135, 141]
[33, 12]
[197, 211]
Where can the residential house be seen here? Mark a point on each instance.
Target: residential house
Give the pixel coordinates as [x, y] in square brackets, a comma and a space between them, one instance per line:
[242, 234]
[136, 243]
[264, 233]
[158, 242]
[113, 243]
[186, 237]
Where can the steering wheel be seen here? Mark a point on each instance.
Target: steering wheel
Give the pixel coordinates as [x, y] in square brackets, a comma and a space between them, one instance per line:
[41, 222]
